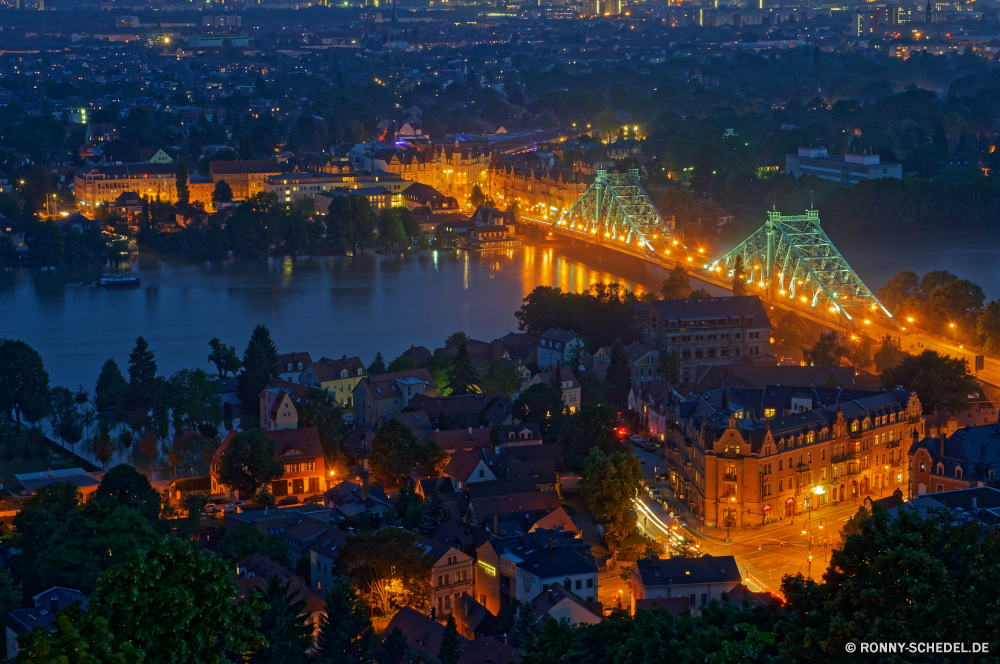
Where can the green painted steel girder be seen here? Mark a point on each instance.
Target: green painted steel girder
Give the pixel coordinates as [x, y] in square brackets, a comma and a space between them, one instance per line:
[794, 253]
[617, 206]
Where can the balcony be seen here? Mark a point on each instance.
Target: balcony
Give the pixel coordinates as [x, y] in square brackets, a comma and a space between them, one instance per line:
[856, 435]
[729, 477]
[845, 457]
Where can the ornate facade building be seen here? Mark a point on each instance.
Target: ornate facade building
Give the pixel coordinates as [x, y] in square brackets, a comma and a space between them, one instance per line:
[743, 457]
[541, 192]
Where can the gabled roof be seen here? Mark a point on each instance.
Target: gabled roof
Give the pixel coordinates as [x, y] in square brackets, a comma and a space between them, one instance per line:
[487, 650]
[467, 404]
[712, 307]
[256, 571]
[330, 369]
[423, 634]
[554, 595]
[656, 572]
[462, 464]
[290, 443]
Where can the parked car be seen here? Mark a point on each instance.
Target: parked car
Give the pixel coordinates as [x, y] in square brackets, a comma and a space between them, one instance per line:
[238, 503]
[683, 522]
[212, 508]
[230, 509]
[656, 495]
[636, 439]
[290, 500]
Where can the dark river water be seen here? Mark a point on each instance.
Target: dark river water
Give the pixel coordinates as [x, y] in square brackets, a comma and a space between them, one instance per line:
[357, 306]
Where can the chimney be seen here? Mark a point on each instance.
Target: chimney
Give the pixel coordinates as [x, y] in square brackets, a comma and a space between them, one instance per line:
[548, 546]
[54, 604]
[944, 437]
[470, 429]
[549, 594]
[364, 485]
[725, 400]
[496, 527]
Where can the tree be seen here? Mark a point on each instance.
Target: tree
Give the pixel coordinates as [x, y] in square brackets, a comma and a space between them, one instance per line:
[390, 227]
[183, 195]
[377, 367]
[432, 457]
[898, 291]
[889, 353]
[260, 363]
[141, 376]
[394, 450]
[22, 374]
[103, 446]
[828, 351]
[608, 485]
[463, 377]
[451, 643]
[249, 463]
[552, 642]
[130, 488]
[282, 624]
[499, 376]
[456, 340]
[525, 627]
[436, 512]
[394, 649]
[224, 357]
[222, 193]
[388, 566]
[789, 330]
[66, 420]
[619, 376]
[89, 542]
[670, 366]
[177, 604]
[940, 382]
[988, 327]
[112, 388]
[739, 282]
[10, 592]
[346, 635]
[319, 408]
[677, 285]
[241, 542]
[541, 404]
[477, 197]
[589, 428]
[860, 597]
[859, 351]
[79, 637]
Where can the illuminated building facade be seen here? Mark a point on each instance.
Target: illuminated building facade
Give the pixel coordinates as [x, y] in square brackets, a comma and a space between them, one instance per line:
[743, 457]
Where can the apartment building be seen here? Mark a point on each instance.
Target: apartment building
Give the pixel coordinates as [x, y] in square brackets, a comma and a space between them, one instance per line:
[102, 185]
[751, 456]
[709, 331]
[246, 177]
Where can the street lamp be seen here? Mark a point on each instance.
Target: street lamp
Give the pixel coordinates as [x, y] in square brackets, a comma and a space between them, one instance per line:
[808, 536]
[952, 326]
[729, 515]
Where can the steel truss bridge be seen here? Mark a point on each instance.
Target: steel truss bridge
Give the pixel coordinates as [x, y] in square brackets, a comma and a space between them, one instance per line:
[789, 261]
[791, 258]
[616, 209]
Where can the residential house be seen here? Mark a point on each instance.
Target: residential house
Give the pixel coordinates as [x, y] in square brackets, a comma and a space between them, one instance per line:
[524, 567]
[561, 604]
[16, 234]
[323, 554]
[643, 362]
[652, 403]
[965, 459]
[274, 520]
[423, 633]
[451, 575]
[47, 604]
[565, 381]
[299, 452]
[700, 580]
[337, 376]
[350, 500]
[291, 366]
[277, 410]
[377, 397]
[467, 410]
[557, 347]
[711, 330]
[254, 574]
[129, 206]
[472, 618]
[86, 483]
[944, 423]
[466, 467]
[155, 156]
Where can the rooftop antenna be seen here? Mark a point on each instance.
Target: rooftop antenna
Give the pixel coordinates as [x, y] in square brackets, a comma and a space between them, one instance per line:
[811, 206]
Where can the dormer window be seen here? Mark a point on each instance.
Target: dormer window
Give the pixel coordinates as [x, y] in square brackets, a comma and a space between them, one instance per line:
[289, 366]
[359, 371]
[958, 472]
[940, 469]
[300, 366]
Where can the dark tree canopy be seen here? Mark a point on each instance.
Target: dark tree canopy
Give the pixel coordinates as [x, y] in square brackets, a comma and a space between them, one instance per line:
[127, 486]
[939, 381]
[249, 464]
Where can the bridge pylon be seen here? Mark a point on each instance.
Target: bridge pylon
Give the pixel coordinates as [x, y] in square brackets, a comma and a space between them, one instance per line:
[616, 209]
[791, 258]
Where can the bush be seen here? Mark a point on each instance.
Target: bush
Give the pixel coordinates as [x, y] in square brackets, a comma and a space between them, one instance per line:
[189, 484]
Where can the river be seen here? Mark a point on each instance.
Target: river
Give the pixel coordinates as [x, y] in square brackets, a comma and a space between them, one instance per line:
[357, 306]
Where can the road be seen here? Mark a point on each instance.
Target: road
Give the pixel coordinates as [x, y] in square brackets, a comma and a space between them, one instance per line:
[911, 339]
[765, 554]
